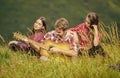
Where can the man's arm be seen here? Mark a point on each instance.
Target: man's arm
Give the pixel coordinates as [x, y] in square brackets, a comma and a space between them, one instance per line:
[64, 52]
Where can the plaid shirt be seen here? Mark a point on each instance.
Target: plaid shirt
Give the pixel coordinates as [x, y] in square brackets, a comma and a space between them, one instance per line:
[37, 36]
[68, 38]
[82, 27]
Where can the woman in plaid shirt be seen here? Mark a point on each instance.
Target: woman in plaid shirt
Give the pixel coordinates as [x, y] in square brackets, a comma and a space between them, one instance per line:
[90, 35]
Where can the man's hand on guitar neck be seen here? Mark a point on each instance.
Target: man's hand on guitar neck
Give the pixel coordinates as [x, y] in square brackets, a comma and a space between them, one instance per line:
[62, 51]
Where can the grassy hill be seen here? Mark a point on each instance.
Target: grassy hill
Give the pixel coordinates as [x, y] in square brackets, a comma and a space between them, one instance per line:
[17, 15]
[21, 65]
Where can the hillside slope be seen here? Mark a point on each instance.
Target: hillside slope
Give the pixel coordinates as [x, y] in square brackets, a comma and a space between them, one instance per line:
[17, 15]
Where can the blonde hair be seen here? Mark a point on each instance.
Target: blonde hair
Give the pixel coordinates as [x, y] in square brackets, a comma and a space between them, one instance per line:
[94, 20]
[62, 23]
[93, 17]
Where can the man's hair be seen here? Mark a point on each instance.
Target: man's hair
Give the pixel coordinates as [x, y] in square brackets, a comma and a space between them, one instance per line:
[62, 23]
[93, 17]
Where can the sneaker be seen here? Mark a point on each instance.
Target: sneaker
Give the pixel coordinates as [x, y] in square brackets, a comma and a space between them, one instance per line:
[13, 45]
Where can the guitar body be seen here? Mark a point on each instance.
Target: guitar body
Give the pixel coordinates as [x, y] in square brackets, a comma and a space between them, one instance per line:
[50, 43]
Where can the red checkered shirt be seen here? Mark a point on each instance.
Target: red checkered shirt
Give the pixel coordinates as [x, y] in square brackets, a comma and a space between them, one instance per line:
[82, 27]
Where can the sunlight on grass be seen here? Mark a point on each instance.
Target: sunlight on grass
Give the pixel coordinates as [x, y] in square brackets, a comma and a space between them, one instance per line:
[21, 65]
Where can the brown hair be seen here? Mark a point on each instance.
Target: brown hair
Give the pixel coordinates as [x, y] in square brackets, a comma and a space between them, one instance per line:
[32, 31]
[93, 17]
[62, 23]
[43, 19]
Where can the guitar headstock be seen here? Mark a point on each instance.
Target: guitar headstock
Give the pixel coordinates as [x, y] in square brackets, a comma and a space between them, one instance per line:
[19, 36]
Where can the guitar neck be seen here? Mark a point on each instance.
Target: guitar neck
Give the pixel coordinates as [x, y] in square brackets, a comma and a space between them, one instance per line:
[33, 43]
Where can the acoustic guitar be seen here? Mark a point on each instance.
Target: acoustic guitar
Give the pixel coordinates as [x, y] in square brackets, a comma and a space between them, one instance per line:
[43, 46]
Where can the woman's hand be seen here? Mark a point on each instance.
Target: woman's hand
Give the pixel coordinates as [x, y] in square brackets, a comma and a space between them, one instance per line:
[95, 27]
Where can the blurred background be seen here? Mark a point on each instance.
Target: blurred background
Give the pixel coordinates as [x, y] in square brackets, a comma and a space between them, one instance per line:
[18, 15]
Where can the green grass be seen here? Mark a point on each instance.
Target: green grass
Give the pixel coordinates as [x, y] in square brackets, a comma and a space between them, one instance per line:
[21, 65]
